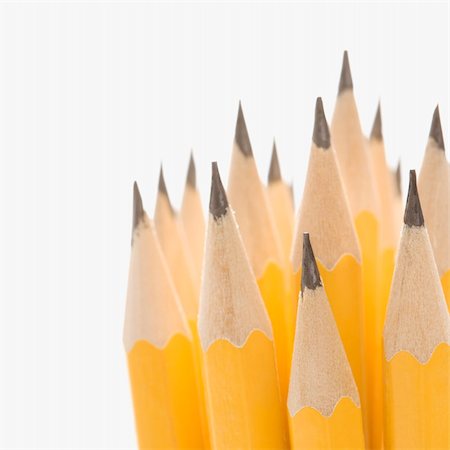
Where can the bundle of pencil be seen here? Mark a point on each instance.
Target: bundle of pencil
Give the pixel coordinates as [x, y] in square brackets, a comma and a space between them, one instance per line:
[255, 328]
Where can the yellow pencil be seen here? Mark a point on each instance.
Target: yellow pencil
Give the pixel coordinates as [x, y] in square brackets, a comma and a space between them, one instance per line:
[386, 190]
[243, 397]
[191, 214]
[249, 200]
[416, 343]
[159, 347]
[434, 189]
[172, 238]
[176, 251]
[323, 402]
[324, 213]
[357, 176]
[281, 202]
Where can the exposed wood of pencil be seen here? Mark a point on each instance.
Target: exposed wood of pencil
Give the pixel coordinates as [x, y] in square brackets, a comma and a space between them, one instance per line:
[416, 342]
[325, 214]
[245, 409]
[173, 239]
[390, 227]
[356, 171]
[281, 202]
[349, 143]
[248, 198]
[323, 402]
[193, 219]
[385, 185]
[434, 188]
[175, 250]
[159, 347]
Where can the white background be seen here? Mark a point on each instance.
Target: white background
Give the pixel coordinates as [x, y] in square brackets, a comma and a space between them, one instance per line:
[95, 95]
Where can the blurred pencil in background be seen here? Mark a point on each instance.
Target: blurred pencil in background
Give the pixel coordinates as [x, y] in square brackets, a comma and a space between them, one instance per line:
[434, 189]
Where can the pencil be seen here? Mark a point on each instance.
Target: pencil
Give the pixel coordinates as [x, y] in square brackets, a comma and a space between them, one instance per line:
[385, 188]
[357, 176]
[249, 200]
[159, 347]
[325, 214]
[175, 250]
[416, 342]
[191, 214]
[281, 202]
[389, 229]
[174, 245]
[434, 188]
[323, 402]
[244, 404]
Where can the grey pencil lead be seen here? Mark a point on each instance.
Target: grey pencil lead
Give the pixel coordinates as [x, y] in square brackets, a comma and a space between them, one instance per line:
[218, 202]
[398, 178]
[162, 183]
[377, 127]
[162, 187]
[241, 134]
[274, 170]
[413, 211]
[191, 179]
[345, 82]
[321, 133]
[310, 272]
[138, 209]
[436, 129]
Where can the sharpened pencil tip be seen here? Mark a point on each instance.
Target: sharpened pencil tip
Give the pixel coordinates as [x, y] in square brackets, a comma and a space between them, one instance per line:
[398, 178]
[274, 170]
[321, 133]
[218, 202]
[345, 81]
[310, 272]
[162, 189]
[241, 134]
[138, 209]
[191, 179]
[436, 129]
[377, 127]
[162, 183]
[413, 211]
